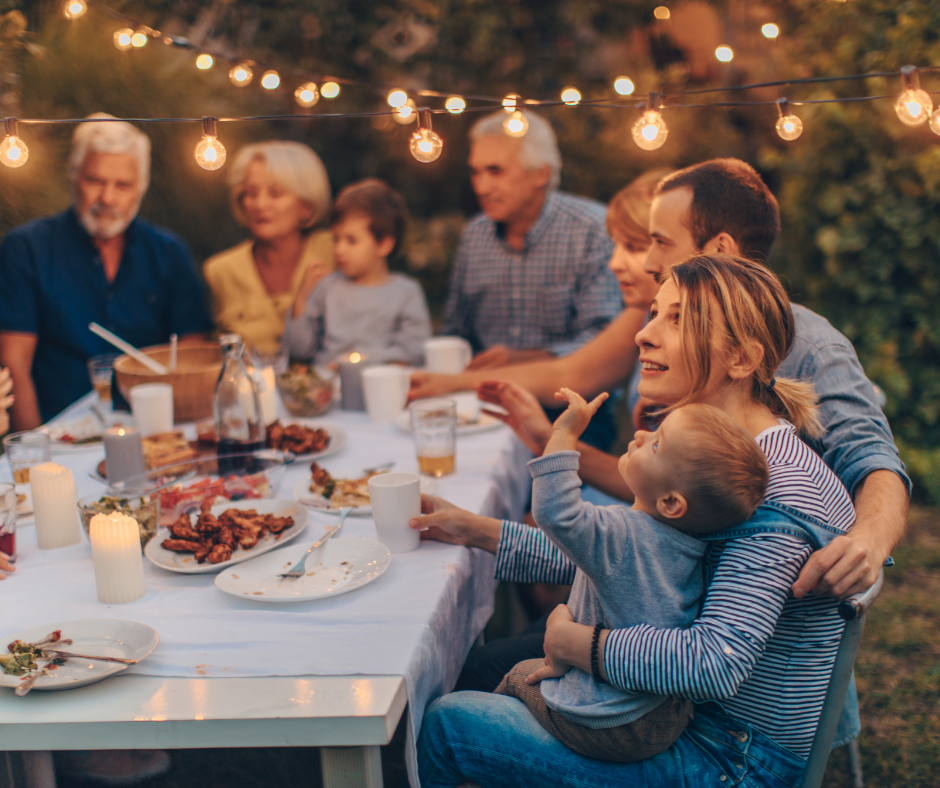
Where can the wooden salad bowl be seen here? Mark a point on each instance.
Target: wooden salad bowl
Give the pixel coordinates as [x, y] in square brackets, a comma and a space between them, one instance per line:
[197, 371]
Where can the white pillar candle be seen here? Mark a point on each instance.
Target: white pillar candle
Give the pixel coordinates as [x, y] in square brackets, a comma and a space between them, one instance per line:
[115, 551]
[123, 453]
[57, 522]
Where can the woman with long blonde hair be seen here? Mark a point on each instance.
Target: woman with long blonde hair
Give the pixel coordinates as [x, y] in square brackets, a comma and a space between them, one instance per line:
[757, 661]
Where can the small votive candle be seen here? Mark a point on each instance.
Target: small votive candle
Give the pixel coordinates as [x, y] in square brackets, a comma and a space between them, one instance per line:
[350, 376]
[268, 395]
[123, 453]
[57, 523]
[115, 551]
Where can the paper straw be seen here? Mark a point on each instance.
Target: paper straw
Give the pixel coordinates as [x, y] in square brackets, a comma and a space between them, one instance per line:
[133, 352]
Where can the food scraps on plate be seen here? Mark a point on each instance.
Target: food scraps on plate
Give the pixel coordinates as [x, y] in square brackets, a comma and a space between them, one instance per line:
[340, 492]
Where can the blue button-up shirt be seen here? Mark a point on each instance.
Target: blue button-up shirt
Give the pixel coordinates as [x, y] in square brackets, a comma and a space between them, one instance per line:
[53, 284]
[556, 293]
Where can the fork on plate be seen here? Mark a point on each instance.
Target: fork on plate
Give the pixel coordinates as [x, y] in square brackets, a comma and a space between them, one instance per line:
[298, 569]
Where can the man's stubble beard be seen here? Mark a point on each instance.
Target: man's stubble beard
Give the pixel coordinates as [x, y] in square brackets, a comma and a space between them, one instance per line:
[104, 223]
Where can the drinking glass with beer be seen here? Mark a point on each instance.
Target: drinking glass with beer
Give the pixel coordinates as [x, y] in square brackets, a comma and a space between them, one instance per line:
[101, 371]
[8, 521]
[26, 449]
[434, 423]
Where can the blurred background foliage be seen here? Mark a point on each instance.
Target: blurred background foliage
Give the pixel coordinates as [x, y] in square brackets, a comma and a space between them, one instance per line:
[859, 191]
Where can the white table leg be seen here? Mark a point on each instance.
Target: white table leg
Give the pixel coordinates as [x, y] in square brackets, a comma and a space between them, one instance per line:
[351, 767]
[38, 769]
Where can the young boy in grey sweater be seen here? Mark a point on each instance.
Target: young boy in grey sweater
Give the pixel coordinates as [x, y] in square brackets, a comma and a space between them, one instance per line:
[362, 307]
[698, 473]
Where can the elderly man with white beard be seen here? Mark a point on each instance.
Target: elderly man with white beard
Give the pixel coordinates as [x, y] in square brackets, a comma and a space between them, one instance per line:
[96, 262]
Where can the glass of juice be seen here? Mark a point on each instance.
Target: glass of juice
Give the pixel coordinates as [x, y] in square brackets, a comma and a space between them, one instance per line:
[26, 449]
[8, 520]
[434, 423]
[101, 371]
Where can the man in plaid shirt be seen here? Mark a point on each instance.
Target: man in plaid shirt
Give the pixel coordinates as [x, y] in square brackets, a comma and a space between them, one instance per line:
[530, 279]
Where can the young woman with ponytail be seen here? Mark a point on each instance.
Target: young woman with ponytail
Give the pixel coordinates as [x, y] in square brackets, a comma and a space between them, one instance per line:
[757, 661]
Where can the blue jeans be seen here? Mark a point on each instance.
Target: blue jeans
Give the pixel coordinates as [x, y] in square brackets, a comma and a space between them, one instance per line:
[495, 741]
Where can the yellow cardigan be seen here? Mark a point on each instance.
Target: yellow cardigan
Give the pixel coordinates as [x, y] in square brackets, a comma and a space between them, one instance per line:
[242, 304]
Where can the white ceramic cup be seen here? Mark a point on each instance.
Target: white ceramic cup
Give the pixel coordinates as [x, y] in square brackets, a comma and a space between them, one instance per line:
[152, 406]
[396, 499]
[386, 391]
[447, 355]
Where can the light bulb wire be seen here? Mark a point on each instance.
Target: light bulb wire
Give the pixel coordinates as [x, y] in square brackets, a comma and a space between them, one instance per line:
[783, 107]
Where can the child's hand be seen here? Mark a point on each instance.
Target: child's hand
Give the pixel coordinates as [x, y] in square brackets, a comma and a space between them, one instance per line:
[549, 670]
[579, 412]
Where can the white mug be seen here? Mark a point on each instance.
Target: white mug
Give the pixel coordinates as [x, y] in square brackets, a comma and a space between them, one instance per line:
[386, 391]
[396, 499]
[152, 406]
[447, 355]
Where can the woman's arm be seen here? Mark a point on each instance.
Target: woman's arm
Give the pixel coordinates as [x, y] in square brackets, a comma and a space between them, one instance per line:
[602, 364]
[713, 657]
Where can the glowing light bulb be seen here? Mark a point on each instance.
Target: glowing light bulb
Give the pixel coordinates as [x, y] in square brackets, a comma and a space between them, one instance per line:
[75, 8]
[935, 121]
[329, 90]
[724, 53]
[397, 98]
[307, 94]
[770, 30]
[270, 79]
[516, 125]
[624, 86]
[789, 127]
[426, 146]
[571, 96]
[241, 75]
[204, 62]
[122, 38]
[355, 358]
[210, 153]
[650, 131]
[406, 113]
[512, 102]
[661, 12]
[13, 151]
[455, 104]
[139, 40]
[913, 107]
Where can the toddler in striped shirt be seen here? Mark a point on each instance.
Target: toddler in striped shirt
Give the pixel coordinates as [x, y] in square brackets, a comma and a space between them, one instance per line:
[700, 472]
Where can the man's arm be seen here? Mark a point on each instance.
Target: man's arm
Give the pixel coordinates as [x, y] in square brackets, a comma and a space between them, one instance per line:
[601, 365]
[16, 353]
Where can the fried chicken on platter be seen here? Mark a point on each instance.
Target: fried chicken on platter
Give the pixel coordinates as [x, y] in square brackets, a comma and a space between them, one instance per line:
[214, 539]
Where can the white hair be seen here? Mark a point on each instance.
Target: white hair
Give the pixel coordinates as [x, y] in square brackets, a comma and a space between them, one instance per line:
[112, 137]
[539, 145]
[294, 166]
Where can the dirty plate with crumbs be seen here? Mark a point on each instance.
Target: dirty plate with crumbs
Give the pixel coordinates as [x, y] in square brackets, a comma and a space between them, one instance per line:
[338, 567]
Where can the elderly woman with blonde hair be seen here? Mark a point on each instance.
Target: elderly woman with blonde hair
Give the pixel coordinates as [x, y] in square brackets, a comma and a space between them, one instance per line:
[280, 192]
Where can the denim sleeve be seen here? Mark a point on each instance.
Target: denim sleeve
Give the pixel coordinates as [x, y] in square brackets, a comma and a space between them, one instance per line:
[858, 438]
[526, 555]
[189, 305]
[19, 292]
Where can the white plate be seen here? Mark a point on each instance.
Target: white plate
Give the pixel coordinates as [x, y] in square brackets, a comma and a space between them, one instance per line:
[337, 438]
[186, 562]
[83, 427]
[485, 423]
[326, 573]
[100, 637]
[302, 493]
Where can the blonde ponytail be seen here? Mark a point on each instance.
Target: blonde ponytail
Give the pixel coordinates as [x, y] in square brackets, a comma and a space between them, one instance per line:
[792, 400]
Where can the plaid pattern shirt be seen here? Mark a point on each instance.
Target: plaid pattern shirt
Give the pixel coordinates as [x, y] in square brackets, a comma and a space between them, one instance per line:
[557, 293]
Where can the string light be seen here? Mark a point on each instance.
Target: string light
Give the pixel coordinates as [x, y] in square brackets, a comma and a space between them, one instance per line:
[307, 95]
[13, 151]
[425, 145]
[517, 124]
[724, 53]
[770, 30]
[661, 12]
[406, 113]
[913, 105]
[571, 96]
[397, 98]
[204, 62]
[512, 102]
[122, 38]
[329, 90]
[650, 131]
[935, 121]
[241, 75]
[455, 104]
[210, 153]
[624, 86]
[270, 79]
[75, 8]
[789, 126]
[139, 39]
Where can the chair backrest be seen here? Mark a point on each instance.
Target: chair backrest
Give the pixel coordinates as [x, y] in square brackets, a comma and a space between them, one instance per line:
[853, 611]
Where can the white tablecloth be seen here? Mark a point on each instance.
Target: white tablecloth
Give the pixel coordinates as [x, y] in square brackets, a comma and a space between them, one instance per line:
[417, 620]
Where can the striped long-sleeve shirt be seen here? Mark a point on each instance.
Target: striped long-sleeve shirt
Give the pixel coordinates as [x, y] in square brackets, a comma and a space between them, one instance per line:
[764, 654]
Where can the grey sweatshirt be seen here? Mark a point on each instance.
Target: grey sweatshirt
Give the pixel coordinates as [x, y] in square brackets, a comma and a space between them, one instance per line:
[632, 569]
[387, 322]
